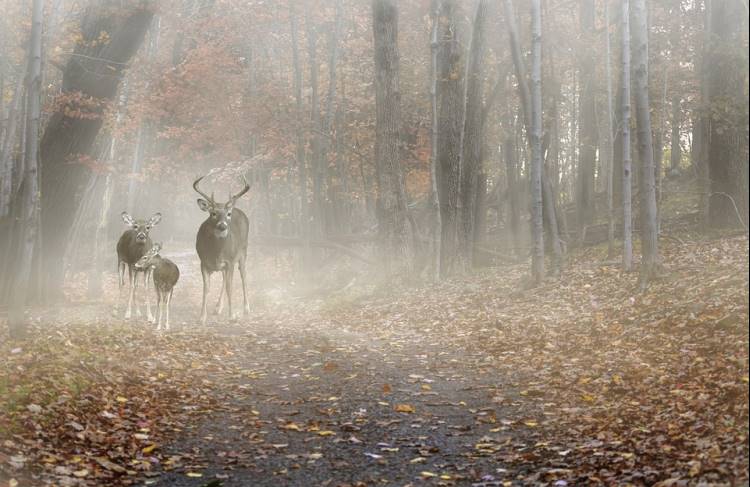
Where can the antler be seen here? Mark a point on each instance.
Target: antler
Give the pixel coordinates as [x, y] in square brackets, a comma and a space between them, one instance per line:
[244, 190]
[195, 187]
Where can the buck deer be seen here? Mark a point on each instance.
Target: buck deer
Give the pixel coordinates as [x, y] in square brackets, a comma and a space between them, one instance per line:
[221, 244]
[165, 274]
[132, 245]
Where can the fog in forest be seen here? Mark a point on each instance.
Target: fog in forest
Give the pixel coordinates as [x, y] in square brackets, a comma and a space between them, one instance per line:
[373, 242]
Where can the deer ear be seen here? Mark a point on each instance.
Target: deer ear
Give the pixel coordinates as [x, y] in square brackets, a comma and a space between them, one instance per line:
[203, 204]
[154, 219]
[127, 218]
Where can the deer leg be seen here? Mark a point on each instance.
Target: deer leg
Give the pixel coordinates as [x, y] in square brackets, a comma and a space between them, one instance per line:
[147, 278]
[220, 304]
[168, 304]
[228, 277]
[121, 279]
[131, 295]
[206, 281]
[135, 295]
[158, 308]
[241, 266]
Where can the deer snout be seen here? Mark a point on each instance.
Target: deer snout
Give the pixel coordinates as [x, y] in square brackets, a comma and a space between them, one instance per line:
[140, 236]
[222, 226]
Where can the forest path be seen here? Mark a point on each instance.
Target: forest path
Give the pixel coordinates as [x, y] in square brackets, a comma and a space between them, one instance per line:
[313, 401]
[473, 381]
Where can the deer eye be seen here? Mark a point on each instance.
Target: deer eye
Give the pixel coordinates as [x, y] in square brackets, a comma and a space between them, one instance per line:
[229, 214]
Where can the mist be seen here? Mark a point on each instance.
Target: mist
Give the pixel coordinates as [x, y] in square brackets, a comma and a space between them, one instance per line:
[353, 243]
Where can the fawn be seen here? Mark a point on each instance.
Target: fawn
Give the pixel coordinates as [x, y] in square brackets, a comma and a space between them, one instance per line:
[166, 273]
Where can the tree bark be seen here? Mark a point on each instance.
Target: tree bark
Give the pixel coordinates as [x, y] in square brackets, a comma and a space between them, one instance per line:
[450, 116]
[588, 129]
[610, 142]
[650, 259]
[535, 173]
[30, 190]
[728, 115]
[472, 137]
[627, 198]
[90, 81]
[436, 221]
[675, 155]
[393, 227]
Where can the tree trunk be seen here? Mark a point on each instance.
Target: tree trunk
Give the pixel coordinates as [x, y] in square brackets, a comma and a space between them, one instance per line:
[472, 136]
[511, 169]
[728, 115]
[650, 260]
[535, 173]
[94, 71]
[393, 226]
[588, 130]
[627, 198]
[317, 164]
[30, 190]
[449, 131]
[304, 210]
[675, 155]
[8, 145]
[436, 222]
[610, 142]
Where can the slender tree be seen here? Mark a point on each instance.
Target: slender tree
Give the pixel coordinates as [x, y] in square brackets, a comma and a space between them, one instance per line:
[610, 140]
[30, 190]
[650, 259]
[627, 198]
[535, 174]
[472, 136]
[436, 224]
[588, 130]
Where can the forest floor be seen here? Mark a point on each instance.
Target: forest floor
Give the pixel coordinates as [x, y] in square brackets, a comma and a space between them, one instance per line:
[474, 381]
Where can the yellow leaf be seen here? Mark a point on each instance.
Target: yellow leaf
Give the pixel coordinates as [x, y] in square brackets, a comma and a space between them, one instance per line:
[291, 426]
[417, 460]
[404, 408]
[148, 449]
[745, 379]
[194, 474]
[122, 399]
[81, 473]
[584, 380]
[445, 477]
[531, 423]
[326, 433]
[426, 387]
[588, 397]
[427, 474]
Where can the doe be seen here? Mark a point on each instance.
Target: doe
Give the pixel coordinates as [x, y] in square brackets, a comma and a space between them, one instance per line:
[133, 244]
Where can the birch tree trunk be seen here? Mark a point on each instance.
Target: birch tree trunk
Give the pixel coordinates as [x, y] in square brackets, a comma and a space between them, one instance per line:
[393, 226]
[30, 190]
[648, 218]
[627, 197]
